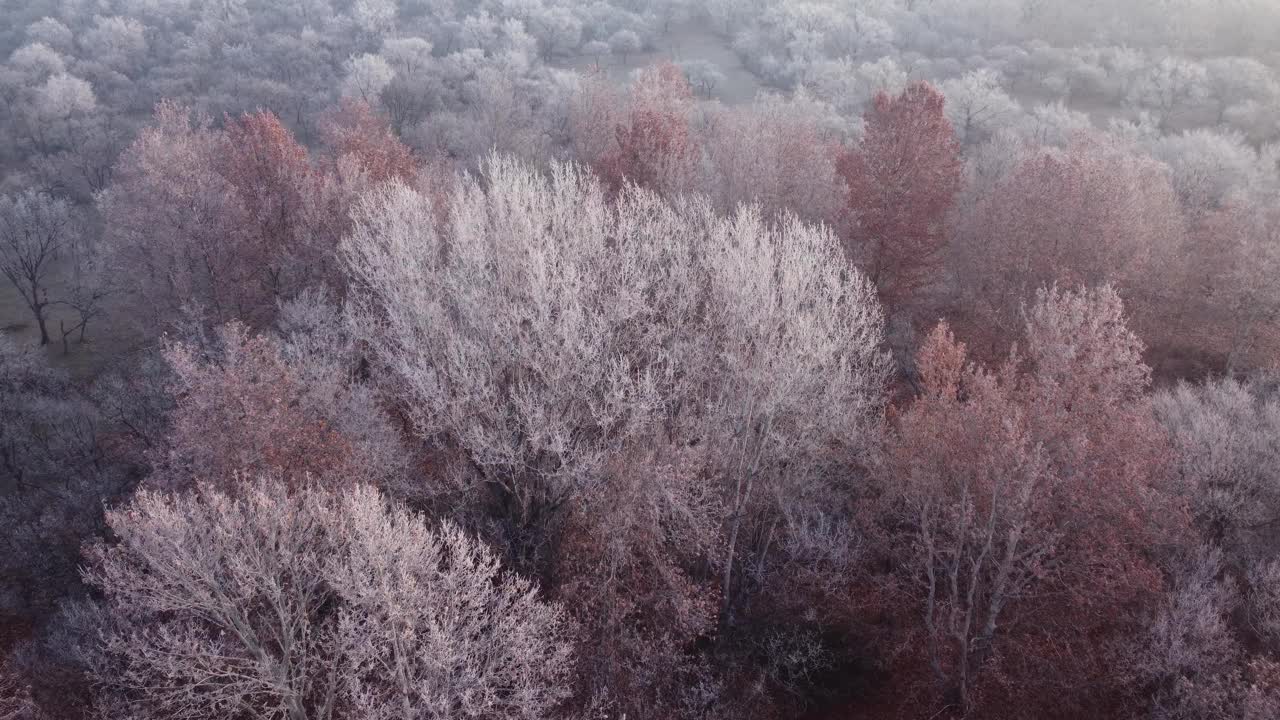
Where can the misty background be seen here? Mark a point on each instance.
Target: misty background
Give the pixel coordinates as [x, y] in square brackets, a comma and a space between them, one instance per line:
[1192, 83]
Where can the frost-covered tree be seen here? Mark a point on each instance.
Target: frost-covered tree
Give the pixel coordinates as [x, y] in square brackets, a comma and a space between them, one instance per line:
[1169, 85]
[37, 61]
[778, 153]
[1226, 456]
[367, 76]
[850, 86]
[312, 605]
[703, 75]
[624, 43]
[977, 105]
[52, 32]
[1191, 657]
[541, 331]
[1233, 81]
[504, 327]
[1209, 168]
[117, 42]
[374, 17]
[1052, 125]
[415, 84]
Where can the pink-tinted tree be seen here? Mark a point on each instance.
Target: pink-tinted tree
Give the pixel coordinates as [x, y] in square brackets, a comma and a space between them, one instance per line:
[361, 153]
[652, 143]
[1225, 304]
[776, 153]
[1023, 503]
[242, 414]
[356, 131]
[225, 223]
[268, 173]
[902, 180]
[254, 405]
[177, 227]
[1093, 213]
[628, 566]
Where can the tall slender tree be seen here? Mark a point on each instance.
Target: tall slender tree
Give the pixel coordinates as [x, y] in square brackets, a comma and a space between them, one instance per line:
[902, 180]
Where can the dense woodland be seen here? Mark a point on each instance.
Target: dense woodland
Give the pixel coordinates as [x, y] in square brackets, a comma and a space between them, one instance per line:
[639, 359]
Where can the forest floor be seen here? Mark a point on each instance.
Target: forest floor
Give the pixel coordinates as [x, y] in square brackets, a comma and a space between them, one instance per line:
[105, 338]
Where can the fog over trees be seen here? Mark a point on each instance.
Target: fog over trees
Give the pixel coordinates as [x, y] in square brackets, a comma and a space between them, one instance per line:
[639, 359]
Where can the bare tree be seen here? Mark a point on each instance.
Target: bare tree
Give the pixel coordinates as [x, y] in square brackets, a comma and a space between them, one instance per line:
[1169, 85]
[33, 230]
[977, 105]
[15, 693]
[86, 289]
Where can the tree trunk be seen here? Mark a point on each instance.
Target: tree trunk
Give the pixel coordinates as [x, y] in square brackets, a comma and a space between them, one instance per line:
[740, 507]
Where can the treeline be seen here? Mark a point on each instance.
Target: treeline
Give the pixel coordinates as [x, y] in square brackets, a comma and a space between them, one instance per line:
[79, 80]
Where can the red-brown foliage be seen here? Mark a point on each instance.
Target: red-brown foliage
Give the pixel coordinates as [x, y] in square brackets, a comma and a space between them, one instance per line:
[1220, 293]
[1024, 504]
[174, 226]
[1091, 214]
[246, 412]
[902, 180]
[627, 571]
[355, 131]
[651, 141]
[230, 221]
[269, 172]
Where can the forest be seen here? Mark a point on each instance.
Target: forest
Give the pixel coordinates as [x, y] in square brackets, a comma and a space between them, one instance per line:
[639, 359]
